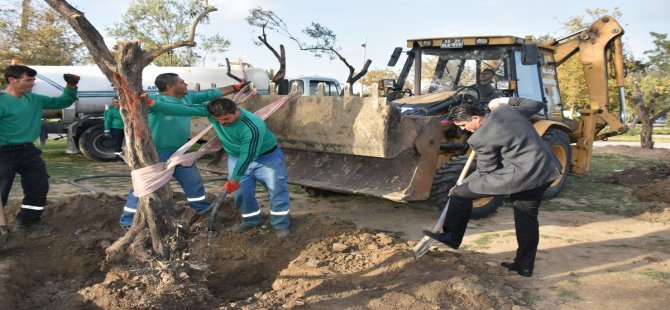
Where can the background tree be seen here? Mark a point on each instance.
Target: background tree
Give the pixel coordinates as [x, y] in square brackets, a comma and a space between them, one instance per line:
[41, 36]
[649, 87]
[212, 45]
[154, 230]
[267, 20]
[156, 23]
[376, 76]
[325, 44]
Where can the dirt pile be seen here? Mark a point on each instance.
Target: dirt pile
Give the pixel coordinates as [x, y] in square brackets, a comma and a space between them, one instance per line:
[326, 263]
[647, 184]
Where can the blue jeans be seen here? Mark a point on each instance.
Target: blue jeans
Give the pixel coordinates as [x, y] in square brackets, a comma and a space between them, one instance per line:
[270, 171]
[190, 181]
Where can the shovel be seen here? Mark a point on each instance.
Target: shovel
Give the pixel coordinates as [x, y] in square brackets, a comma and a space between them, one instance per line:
[427, 242]
[213, 209]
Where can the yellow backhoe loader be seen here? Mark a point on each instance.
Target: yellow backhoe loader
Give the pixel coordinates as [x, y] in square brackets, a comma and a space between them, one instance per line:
[397, 144]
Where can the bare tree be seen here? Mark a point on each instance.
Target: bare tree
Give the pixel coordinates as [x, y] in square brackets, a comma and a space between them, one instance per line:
[154, 226]
[268, 20]
[325, 40]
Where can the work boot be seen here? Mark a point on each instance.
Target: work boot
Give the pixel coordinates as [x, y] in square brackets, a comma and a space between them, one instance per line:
[239, 228]
[445, 238]
[512, 266]
[282, 233]
[23, 227]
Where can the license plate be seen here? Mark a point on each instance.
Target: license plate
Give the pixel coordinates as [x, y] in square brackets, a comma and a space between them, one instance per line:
[452, 43]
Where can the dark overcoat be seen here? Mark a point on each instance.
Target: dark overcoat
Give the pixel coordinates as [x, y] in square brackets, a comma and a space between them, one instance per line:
[511, 156]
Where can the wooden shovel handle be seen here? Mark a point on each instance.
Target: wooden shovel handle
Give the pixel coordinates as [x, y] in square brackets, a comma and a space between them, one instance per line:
[466, 168]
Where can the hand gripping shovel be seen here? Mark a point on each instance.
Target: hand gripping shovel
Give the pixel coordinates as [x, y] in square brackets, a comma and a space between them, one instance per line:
[427, 242]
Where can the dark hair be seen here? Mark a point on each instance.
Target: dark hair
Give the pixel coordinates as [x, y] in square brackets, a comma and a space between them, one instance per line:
[164, 79]
[16, 71]
[489, 70]
[465, 112]
[221, 106]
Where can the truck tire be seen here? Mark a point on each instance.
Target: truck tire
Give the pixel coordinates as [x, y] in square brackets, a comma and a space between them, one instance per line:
[559, 144]
[94, 145]
[446, 177]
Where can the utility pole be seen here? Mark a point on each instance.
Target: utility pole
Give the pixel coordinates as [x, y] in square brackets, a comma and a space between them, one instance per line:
[365, 47]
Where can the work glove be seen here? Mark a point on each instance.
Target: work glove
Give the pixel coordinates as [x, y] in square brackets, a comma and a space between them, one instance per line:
[145, 98]
[240, 85]
[108, 135]
[71, 80]
[497, 102]
[231, 186]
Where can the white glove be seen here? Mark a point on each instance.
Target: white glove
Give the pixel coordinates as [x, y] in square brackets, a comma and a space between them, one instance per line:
[497, 102]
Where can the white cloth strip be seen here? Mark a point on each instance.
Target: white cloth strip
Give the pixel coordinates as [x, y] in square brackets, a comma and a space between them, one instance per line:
[279, 213]
[252, 214]
[197, 199]
[128, 209]
[32, 207]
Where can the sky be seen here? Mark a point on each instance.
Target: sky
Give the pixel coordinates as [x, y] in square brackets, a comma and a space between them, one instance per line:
[386, 24]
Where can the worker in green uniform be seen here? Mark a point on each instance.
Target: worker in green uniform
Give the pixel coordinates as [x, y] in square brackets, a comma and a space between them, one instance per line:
[20, 125]
[114, 127]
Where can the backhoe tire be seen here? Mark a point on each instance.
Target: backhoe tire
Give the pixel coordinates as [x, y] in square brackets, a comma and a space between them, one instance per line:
[446, 177]
[94, 145]
[559, 144]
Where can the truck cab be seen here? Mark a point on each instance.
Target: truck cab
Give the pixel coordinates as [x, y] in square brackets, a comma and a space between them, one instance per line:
[308, 84]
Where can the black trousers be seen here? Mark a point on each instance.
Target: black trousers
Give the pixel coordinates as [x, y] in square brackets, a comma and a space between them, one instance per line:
[117, 137]
[26, 160]
[526, 225]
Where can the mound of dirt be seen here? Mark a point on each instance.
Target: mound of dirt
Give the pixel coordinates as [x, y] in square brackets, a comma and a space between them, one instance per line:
[326, 263]
[638, 177]
[648, 184]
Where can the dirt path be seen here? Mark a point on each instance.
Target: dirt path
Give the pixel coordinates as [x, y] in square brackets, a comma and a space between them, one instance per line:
[353, 252]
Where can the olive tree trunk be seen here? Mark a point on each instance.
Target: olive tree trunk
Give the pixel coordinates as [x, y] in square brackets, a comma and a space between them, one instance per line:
[154, 228]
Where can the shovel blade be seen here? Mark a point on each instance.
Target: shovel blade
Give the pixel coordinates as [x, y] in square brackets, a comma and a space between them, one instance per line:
[423, 246]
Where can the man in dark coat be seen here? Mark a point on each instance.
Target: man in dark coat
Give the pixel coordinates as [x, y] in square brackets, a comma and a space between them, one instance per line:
[512, 159]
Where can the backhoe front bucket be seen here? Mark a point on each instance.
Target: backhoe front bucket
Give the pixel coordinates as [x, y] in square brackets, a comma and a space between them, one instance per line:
[351, 144]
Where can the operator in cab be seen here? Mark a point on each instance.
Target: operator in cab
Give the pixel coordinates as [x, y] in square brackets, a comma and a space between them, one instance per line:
[484, 86]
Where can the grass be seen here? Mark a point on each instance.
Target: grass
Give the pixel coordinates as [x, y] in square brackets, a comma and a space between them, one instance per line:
[568, 294]
[636, 138]
[484, 240]
[588, 193]
[657, 275]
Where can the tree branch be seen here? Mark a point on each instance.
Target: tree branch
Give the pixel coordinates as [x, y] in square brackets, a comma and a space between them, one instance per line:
[91, 37]
[190, 41]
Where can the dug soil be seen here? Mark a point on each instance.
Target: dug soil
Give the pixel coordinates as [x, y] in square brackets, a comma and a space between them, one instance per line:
[345, 252]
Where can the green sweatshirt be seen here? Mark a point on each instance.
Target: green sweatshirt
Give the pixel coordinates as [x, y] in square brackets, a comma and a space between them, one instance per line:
[245, 139]
[113, 119]
[170, 117]
[21, 118]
